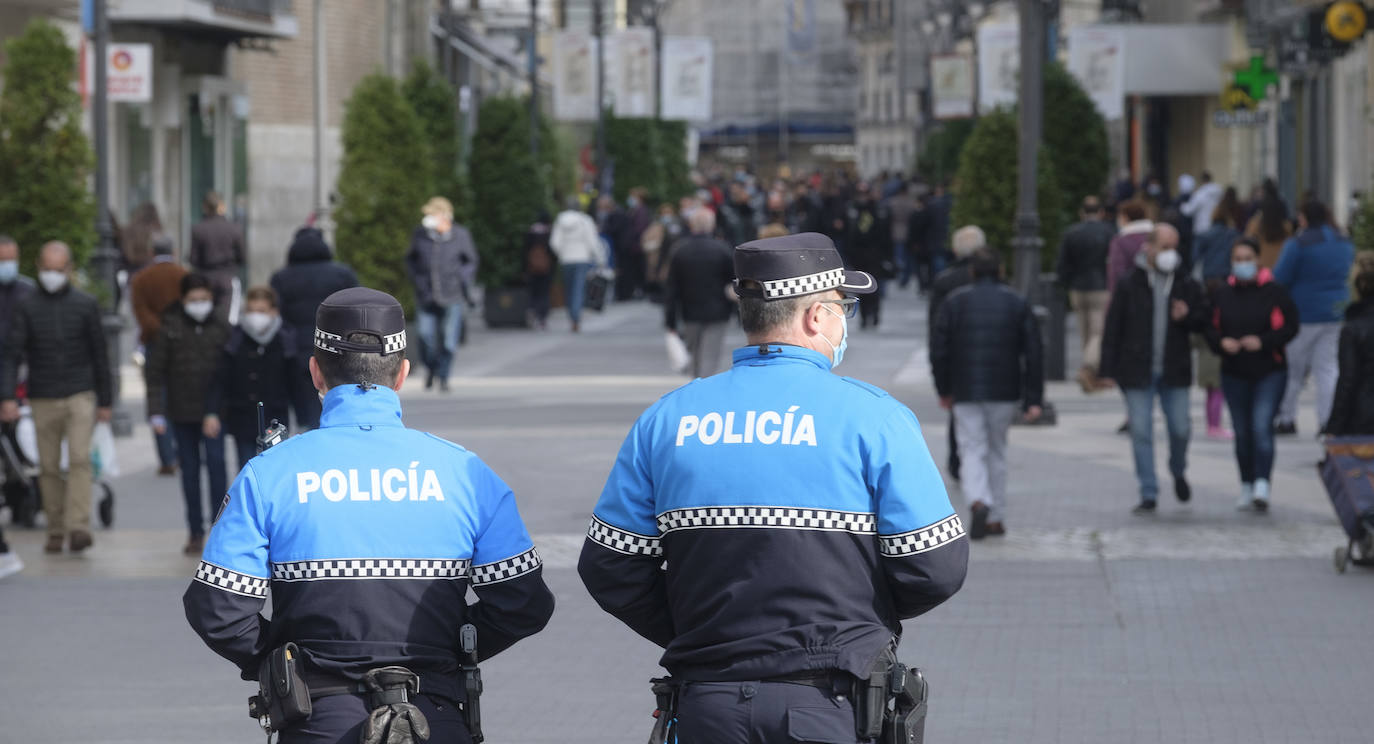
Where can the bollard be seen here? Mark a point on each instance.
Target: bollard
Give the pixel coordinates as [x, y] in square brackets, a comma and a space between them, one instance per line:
[1051, 311]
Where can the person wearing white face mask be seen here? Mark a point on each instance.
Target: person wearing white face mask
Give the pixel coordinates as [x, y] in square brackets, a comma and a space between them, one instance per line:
[261, 363]
[1147, 352]
[58, 331]
[181, 364]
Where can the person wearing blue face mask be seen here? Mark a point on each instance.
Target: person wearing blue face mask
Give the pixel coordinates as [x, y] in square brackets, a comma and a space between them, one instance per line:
[1253, 319]
[771, 526]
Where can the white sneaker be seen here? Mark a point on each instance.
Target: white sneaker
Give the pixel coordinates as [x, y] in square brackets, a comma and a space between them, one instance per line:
[1261, 501]
[10, 564]
[1246, 498]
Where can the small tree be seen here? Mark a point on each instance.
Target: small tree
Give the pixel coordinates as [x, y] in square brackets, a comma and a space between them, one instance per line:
[433, 99]
[513, 187]
[985, 190]
[1076, 137]
[650, 153]
[384, 181]
[45, 160]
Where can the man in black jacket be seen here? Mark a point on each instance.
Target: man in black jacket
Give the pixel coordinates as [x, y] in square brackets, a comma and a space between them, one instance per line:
[701, 270]
[987, 358]
[1083, 271]
[967, 241]
[1146, 350]
[58, 330]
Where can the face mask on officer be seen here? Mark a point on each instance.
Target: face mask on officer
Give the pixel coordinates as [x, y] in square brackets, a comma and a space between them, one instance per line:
[837, 351]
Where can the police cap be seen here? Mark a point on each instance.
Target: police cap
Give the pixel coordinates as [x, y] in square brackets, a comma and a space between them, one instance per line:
[360, 310]
[796, 265]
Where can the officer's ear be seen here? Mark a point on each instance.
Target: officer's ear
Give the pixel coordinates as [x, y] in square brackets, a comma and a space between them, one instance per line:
[317, 377]
[402, 375]
[812, 319]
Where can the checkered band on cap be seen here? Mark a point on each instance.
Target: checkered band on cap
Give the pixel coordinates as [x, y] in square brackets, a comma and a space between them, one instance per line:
[370, 568]
[326, 340]
[231, 581]
[505, 570]
[924, 539]
[826, 520]
[803, 285]
[335, 344]
[394, 343]
[622, 541]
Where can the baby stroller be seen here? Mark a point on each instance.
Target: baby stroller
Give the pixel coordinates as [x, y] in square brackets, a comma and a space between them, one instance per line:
[1348, 473]
[19, 468]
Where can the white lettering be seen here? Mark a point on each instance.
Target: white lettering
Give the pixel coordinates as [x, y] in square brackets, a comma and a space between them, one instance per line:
[413, 482]
[764, 435]
[334, 485]
[806, 431]
[376, 485]
[306, 484]
[730, 436]
[686, 427]
[394, 475]
[431, 488]
[355, 493]
[764, 427]
[749, 427]
[710, 428]
[787, 425]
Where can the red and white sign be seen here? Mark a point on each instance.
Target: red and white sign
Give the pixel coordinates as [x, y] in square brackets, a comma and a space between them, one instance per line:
[128, 72]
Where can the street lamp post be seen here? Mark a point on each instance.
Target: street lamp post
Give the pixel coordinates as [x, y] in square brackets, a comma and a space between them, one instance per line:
[1027, 242]
[602, 175]
[534, 80]
[106, 259]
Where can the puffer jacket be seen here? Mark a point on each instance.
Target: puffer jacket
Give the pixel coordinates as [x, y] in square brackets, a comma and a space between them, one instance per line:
[181, 365]
[1260, 308]
[986, 347]
[311, 275]
[955, 276]
[61, 336]
[442, 267]
[1128, 334]
[1352, 409]
[574, 239]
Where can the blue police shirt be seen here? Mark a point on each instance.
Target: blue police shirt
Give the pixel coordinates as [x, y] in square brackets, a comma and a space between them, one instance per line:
[799, 514]
[369, 535]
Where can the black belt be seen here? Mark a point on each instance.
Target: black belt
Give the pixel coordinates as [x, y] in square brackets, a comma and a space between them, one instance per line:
[824, 680]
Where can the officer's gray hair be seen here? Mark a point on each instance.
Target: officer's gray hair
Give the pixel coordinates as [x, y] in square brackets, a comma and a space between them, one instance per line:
[353, 368]
[759, 316]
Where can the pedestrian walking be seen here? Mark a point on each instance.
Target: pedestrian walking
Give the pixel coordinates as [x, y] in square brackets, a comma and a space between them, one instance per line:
[178, 375]
[362, 497]
[577, 244]
[1202, 203]
[258, 364]
[1133, 230]
[967, 241]
[869, 246]
[310, 275]
[539, 268]
[139, 238]
[939, 207]
[988, 366]
[1315, 268]
[631, 264]
[217, 251]
[1253, 319]
[900, 206]
[1212, 267]
[1146, 351]
[442, 266]
[1082, 270]
[739, 217]
[773, 606]
[58, 332]
[14, 289]
[1352, 409]
[696, 304]
[152, 290]
[1270, 224]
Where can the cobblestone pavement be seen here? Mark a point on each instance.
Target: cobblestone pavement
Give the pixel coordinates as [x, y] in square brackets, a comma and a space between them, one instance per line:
[1084, 624]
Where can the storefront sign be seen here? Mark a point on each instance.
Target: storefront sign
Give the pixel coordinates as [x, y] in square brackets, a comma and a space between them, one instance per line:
[1097, 57]
[1241, 119]
[1346, 21]
[128, 72]
[952, 85]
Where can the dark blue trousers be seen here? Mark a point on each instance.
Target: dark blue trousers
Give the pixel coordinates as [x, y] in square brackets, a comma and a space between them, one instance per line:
[762, 713]
[338, 719]
[1253, 405]
[190, 445]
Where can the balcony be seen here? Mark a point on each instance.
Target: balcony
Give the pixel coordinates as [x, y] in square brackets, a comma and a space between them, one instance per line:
[230, 19]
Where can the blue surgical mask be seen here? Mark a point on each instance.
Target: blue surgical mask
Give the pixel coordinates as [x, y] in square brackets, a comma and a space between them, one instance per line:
[1244, 271]
[837, 352]
[9, 271]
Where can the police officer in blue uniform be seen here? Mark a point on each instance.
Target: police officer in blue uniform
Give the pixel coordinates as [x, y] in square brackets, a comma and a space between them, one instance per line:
[771, 526]
[368, 535]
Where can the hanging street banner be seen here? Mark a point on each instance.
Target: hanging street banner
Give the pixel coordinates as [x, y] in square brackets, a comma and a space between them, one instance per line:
[688, 65]
[999, 65]
[630, 66]
[1097, 57]
[951, 77]
[801, 26]
[574, 76]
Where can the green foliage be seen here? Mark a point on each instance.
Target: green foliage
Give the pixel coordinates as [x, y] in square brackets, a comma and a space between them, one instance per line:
[1362, 224]
[45, 159]
[985, 189]
[650, 153]
[1076, 137]
[384, 181]
[512, 188]
[939, 160]
[434, 101]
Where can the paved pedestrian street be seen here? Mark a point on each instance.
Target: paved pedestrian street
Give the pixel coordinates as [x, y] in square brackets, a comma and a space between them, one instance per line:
[1084, 624]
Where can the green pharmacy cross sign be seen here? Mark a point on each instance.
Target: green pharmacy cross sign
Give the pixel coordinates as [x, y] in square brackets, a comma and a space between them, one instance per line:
[1256, 79]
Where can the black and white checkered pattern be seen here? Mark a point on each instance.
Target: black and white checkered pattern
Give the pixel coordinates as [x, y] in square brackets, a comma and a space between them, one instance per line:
[924, 539]
[827, 520]
[510, 568]
[324, 340]
[620, 541]
[370, 568]
[394, 343]
[231, 581]
[803, 285]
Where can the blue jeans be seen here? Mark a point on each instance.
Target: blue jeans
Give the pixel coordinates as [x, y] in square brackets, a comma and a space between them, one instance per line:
[189, 443]
[1140, 413]
[439, 328]
[575, 288]
[166, 448]
[1253, 404]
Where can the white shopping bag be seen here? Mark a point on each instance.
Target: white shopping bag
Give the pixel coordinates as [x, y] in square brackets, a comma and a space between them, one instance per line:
[103, 457]
[27, 435]
[679, 359]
